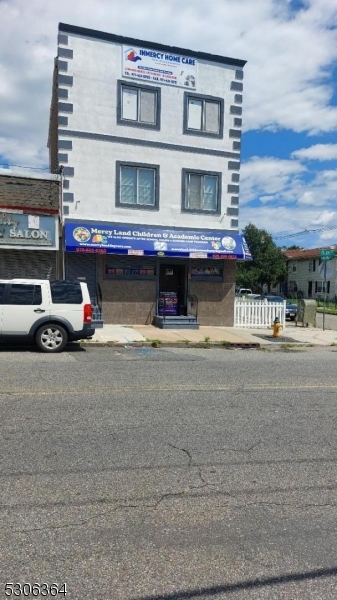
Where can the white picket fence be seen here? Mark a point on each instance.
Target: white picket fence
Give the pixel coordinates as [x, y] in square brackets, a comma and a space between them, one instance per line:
[258, 313]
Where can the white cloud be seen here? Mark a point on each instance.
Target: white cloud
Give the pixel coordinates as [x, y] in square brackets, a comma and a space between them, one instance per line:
[290, 55]
[319, 152]
[324, 217]
[268, 177]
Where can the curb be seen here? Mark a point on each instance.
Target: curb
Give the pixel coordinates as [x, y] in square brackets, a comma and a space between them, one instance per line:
[228, 346]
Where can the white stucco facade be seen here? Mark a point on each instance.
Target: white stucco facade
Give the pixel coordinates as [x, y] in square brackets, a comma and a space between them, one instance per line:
[91, 140]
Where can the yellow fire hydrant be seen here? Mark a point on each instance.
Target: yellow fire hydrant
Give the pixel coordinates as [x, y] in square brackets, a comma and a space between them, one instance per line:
[276, 327]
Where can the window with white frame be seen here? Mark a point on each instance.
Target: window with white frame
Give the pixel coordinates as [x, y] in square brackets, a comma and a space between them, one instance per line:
[312, 265]
[138, 105]
[201, 191]
[203, 115]
[137, 185]
[320, 287]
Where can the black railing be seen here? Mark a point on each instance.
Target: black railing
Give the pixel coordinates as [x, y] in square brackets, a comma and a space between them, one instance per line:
[97, 304]
[192, 304]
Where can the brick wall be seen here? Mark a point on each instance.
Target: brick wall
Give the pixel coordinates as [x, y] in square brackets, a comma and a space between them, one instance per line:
[25, 193]
[133, 302]
[129, 302]
[216, 300]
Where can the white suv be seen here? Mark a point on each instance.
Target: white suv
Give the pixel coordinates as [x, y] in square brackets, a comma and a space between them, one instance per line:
[50, 313]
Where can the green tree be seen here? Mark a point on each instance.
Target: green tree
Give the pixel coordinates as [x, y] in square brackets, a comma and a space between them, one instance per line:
[268, 265]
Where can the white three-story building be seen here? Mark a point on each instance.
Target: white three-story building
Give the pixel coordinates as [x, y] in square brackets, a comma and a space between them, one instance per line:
[148, 140]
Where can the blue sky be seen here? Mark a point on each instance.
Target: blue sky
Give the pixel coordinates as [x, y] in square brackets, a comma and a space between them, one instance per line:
[289, 145]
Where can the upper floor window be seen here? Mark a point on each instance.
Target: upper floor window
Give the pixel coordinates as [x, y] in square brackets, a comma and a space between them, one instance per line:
[312, 265]
[137, 185]
[203, 115]
[293, 266]
[201, 191]
[138, 105]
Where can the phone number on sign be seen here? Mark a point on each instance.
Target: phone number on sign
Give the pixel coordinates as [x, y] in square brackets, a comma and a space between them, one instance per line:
[35, 589]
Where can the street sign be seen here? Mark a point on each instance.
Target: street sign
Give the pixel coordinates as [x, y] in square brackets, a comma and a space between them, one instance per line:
[326, 254]
[326, 269]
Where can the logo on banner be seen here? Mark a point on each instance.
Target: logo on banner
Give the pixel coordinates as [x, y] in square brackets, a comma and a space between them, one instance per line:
[132, 55]
[228, 243]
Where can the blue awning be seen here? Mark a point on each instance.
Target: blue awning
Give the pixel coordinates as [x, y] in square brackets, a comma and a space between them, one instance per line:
[90, 237]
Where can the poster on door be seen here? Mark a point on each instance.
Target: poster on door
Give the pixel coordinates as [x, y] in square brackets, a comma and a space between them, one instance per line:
[168, 303]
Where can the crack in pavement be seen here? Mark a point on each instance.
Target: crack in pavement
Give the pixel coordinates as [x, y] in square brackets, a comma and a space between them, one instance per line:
[191, 464]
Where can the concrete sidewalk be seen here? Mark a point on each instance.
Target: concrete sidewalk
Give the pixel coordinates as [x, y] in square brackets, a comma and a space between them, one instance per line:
[233, 336]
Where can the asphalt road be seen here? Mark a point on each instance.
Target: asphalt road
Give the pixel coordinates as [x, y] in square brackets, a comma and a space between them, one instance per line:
[162, 474]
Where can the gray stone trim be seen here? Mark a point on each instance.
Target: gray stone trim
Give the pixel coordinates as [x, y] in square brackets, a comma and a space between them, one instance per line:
[66, 184]
[62, 65]
[235, 133]
[155, 206]
[65, 107]
[233, 189]
[66, 210]
[127, 123]
[237, 146]
[235, 110]
[233, 165]
[235, 200]
[232, 212]
[238, 74]
[237, 122]
[63, 93]
[62, 39]
[147, 143]
[220, 101]
[68, 171]
[65, 53]
[185, 172]
[235, 177]
[65, 145]
[63, 158]
[238, 98]
[234, 223]
[62, 120]
[65, 79]
[237, 86]
[68, 197]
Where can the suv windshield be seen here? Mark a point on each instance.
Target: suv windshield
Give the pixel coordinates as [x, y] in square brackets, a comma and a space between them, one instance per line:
[65, 292]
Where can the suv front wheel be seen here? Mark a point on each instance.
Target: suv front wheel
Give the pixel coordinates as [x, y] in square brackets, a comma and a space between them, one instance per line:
[51, 338]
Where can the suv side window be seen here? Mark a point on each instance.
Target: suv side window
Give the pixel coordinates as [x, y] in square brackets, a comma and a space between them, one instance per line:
[24, 294]
[63, 292]
[2, 289]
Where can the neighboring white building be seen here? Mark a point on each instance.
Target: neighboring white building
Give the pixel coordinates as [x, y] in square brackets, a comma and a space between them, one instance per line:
[306, 276]
[149, 140]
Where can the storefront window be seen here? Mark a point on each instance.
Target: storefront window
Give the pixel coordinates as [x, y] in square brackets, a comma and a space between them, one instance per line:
[206, 272]
[126, 269]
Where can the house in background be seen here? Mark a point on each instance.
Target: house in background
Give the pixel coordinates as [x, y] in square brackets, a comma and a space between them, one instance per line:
[305, 274]
[148, 137]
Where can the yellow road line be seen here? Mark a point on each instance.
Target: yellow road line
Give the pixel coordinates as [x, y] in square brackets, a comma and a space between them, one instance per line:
[171, 388]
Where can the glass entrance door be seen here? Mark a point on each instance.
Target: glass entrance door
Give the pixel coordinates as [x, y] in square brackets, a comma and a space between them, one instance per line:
[172, 289]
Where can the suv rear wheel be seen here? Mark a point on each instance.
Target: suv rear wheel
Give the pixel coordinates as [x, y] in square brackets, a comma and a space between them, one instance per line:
[51, 338]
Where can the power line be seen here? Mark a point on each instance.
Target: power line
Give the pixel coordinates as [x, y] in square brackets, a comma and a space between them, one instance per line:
[306, 231]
